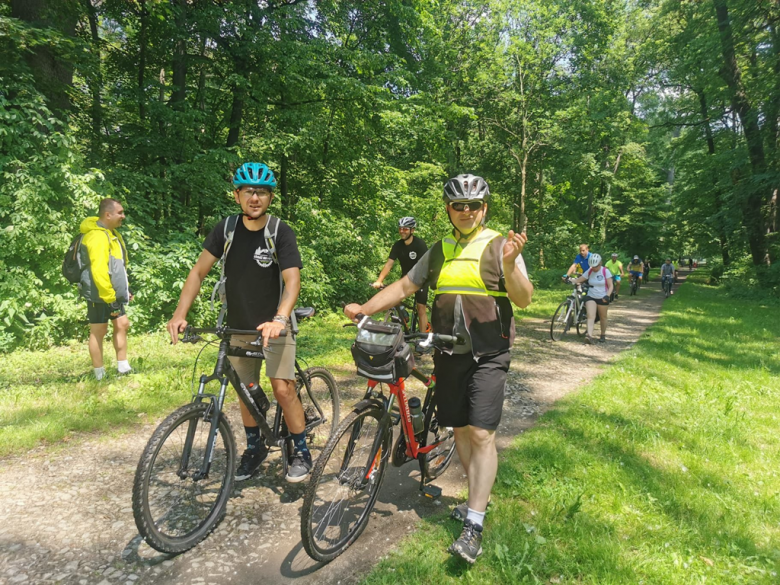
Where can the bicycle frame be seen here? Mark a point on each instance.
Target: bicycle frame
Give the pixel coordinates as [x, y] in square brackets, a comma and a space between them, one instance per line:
[413, 448]
[225, 373]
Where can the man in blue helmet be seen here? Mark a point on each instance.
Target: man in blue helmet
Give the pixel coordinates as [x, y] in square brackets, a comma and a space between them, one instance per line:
[476, 274]
[256, 297]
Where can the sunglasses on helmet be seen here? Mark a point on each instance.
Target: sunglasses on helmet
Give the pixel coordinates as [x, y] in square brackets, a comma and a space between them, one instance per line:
[463, 205]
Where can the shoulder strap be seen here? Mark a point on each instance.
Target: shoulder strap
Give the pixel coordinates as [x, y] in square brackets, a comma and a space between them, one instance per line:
[228, 231]
[271, 231]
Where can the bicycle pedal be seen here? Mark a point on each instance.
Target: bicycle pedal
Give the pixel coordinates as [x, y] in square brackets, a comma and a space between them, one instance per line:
[431, 491]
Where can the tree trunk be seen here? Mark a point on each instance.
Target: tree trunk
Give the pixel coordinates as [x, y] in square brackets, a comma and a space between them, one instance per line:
[180, 57]
[201, 97]
[752, 212]
[53, 75]
[143, 15]
[722, 240]
[96, 79]
[236, 112]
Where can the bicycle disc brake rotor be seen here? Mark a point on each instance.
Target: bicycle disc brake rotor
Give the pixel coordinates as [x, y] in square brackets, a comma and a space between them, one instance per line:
[399, 456]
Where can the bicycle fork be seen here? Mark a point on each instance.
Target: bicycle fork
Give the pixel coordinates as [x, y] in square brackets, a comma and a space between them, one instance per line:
[215, 409]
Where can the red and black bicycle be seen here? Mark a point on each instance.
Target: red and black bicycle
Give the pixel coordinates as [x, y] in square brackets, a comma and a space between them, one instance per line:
[345, 481]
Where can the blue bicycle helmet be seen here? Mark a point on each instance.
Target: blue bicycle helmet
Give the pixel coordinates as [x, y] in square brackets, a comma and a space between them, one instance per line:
[254, 174]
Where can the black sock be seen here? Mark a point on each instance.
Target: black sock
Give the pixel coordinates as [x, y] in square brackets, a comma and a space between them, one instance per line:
[299, 444]
[252, 438]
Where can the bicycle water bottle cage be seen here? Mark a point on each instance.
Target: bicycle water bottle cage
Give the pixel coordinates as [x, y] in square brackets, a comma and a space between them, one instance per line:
[380, 352]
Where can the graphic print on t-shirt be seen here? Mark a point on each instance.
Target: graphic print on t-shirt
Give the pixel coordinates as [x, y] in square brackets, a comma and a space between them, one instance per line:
[412, 255]
[263, 257]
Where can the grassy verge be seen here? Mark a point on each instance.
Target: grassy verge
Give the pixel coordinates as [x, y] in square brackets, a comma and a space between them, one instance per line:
[48, 396]
[662, 470]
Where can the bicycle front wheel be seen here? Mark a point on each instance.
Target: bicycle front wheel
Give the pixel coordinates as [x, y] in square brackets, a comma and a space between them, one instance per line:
[561, 321]
[344, 485]
[436, 461]
[320, 398]
[174, 507]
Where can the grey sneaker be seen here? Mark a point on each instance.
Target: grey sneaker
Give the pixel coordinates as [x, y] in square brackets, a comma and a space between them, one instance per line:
[460, 511]
[469, 543]
[250, 462]
[299, 468]
[589, 340]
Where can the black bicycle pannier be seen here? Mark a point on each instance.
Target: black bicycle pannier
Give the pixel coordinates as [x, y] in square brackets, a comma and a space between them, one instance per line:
[380, 352]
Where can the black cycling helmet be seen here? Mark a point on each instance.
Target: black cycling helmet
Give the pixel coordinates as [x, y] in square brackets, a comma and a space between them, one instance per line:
[407, 222]
[465, 188]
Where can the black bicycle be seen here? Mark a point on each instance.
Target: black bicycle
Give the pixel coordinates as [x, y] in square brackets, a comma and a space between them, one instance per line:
[346, 479]
[634, 286]
[404, 315]
[666, 284]
[185, 475]
[570, 313]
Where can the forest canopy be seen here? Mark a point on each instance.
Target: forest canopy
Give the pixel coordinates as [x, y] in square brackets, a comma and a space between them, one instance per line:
[645, 128]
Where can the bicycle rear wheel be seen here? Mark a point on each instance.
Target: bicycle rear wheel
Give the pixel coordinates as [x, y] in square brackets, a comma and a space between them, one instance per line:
[436, 461]
[561, 321]
[344, 485]
[174, 509]
[320, 401]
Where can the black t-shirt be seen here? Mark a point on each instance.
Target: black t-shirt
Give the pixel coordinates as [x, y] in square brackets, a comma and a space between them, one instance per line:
[408, 255]
[252, 275]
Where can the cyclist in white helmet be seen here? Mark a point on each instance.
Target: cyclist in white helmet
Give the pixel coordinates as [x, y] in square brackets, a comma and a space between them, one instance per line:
[408, 250]
[599, 281]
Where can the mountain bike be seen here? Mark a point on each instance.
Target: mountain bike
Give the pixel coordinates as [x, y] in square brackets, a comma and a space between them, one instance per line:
[634, 285]
[185, 475]
[666, 284]
[346, 479]
[570, 313]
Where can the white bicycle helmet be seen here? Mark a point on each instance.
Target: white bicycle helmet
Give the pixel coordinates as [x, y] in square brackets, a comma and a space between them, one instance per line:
[594, 260]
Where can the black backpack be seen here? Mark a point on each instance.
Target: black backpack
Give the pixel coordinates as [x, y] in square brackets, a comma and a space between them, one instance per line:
[71, 265]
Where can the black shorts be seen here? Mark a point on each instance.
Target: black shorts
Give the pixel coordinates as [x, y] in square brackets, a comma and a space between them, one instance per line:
[421, 296]
[600, 301]
[470, 392]
[99, 313]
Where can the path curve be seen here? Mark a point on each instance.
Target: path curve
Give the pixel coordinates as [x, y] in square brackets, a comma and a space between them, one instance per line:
[66, 517]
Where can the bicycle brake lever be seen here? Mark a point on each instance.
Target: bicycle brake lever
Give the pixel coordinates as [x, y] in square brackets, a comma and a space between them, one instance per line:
[427, 342]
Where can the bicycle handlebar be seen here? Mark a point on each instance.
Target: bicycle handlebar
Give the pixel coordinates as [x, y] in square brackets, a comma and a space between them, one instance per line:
[192, 334]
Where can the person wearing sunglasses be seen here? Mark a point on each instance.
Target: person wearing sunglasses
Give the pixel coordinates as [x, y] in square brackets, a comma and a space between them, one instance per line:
[476, 274]
[408, 250]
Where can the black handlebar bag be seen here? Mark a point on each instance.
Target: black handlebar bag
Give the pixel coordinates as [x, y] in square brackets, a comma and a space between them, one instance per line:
[380, 352]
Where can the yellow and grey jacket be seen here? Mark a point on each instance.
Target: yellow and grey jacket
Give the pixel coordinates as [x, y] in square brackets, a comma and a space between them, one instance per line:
[104, 258]
[473, 272]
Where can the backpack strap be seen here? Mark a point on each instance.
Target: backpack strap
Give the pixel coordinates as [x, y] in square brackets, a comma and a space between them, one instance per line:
[228, 231]
[271, 231]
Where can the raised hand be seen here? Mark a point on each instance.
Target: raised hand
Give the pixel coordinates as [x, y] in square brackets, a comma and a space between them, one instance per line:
[515, 242]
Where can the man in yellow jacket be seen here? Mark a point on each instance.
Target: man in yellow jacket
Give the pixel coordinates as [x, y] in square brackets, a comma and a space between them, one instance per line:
[104, 283]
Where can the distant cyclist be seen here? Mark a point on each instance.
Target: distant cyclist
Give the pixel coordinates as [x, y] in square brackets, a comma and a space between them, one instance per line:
[580, 263]
[636, 268]
[599, 281]
[408, 250]
[668, 269]
[615, 266]
[647, 269]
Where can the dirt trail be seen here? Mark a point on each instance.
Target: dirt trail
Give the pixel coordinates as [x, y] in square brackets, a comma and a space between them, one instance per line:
[66, 517]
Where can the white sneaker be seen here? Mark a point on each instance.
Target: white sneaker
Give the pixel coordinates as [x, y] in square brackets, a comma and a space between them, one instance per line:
[99, 373]
[123, 367]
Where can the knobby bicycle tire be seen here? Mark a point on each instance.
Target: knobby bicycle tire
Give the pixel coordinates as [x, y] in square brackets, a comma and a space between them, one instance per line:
[325, 391]
[560, 321]
[582, 320]
[172, 511]
[339, 499]
[436, 462]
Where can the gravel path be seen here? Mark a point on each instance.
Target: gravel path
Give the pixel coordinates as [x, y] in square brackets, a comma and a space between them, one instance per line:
[66, 515]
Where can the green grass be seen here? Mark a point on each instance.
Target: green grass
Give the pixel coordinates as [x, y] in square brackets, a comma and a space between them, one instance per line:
[47, 397]
[663, 470]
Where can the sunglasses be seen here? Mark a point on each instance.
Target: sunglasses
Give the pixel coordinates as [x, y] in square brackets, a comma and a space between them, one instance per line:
[252, 192]
[464, 205]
